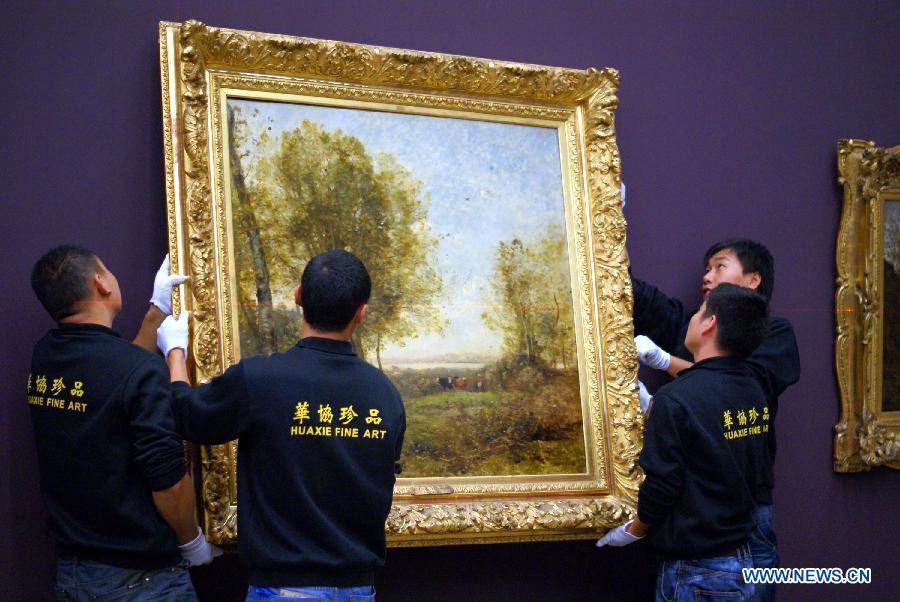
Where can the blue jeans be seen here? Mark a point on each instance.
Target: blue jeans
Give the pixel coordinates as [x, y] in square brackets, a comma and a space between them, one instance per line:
[762, 547]
[82, 580]
[702, 579]
[360, 593]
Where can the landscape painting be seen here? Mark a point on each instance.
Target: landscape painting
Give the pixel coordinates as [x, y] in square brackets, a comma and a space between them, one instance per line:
[462, 225]
[891, 321]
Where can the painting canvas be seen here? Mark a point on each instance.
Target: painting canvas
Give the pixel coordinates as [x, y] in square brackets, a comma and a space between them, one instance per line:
[891, 287]
[484, 198]
[462, 225]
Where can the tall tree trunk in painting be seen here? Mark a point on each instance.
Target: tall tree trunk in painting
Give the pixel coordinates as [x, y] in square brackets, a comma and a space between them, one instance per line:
[526, 334]
[560, 329]
[251, 227]
[378, 349]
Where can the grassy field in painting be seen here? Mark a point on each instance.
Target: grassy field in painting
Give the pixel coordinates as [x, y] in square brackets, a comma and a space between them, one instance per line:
[467, 433]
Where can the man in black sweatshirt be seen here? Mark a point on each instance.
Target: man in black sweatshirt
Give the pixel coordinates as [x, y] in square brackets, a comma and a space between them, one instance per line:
[661, 323]
[112, 467]
[706, 455]
[320, 433]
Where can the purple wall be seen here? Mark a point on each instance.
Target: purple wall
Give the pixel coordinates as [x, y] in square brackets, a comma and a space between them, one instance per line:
[730, 114]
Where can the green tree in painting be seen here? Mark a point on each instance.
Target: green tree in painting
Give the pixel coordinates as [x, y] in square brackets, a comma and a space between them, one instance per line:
[311, 190]
[531, 294]
[540, 399]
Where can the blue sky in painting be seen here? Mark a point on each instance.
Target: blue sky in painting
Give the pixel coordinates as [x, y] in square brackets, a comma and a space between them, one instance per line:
[486, 182]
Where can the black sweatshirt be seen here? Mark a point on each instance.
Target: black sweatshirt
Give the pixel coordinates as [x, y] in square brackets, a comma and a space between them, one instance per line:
[775, 363]
[106, 440]
[320, 431]
[705, 454]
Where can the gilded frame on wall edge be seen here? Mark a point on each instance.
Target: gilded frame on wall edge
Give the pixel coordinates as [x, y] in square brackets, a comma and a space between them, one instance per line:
[198, 63]
[866, 436]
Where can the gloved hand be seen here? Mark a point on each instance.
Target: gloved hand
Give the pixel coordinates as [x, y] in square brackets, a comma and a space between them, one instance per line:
[199, 551]
[173, 334]
[618, 537]
[644, 396]
[650, 354]
[162, 287]
[622, 190]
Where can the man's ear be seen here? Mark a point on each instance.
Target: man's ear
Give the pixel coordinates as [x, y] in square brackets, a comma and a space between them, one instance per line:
[360, 314]
[100, 285]
[708, 325]
[753, 280]
[297, 296]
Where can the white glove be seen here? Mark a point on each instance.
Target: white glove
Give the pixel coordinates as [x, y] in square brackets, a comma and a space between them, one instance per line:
[162, 287]
[173, 334]
[618, 537]
[622, 190]
[650, 354]
[199, 551]
[644, 396]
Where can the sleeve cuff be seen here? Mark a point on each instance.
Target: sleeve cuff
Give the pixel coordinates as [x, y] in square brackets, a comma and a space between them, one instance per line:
[166, 479]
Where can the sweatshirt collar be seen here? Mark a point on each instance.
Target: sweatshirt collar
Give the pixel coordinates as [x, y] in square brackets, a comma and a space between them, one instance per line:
[85, 327]
[327, 345]
[719, 362]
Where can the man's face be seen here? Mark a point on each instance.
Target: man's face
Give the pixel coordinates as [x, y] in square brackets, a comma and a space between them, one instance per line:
[724, 266]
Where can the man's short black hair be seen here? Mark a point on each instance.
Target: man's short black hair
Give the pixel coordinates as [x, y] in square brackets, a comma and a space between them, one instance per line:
[742, 318]
[754, 257]
[333, 286]
[62, 277]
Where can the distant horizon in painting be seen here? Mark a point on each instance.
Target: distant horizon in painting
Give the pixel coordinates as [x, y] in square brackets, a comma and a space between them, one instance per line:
[462, 226]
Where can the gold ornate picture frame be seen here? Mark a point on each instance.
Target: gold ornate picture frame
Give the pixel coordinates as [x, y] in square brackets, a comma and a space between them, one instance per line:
[203, 69]
[867, 352]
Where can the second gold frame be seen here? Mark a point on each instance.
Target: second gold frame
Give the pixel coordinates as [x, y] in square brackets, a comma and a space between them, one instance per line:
[867, 350]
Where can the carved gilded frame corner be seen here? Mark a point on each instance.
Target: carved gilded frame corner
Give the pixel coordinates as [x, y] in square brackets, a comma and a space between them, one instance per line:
[201, 64]
[866, 436]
